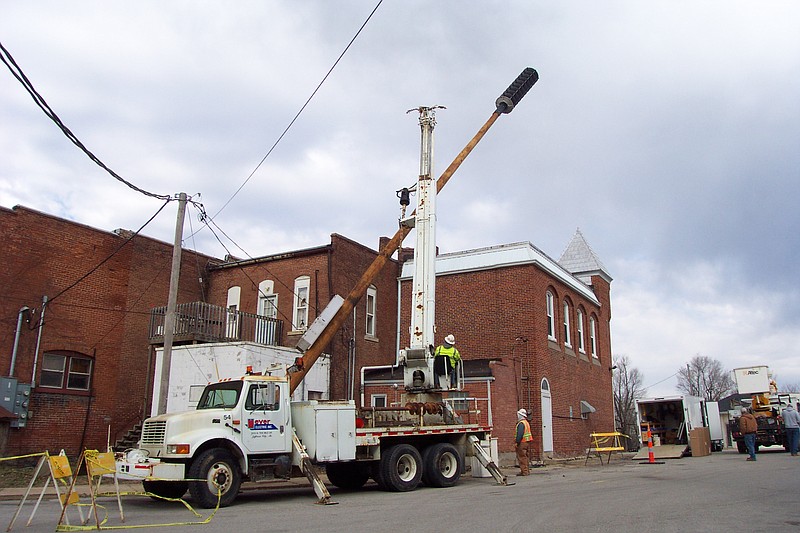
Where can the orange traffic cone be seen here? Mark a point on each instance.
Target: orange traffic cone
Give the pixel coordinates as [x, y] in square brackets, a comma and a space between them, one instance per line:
[650, 455]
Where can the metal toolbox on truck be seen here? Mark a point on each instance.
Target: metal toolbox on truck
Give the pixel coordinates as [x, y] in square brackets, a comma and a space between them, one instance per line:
[326, 428]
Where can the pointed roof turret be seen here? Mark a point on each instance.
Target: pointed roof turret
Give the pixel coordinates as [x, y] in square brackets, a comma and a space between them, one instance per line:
[581, 261]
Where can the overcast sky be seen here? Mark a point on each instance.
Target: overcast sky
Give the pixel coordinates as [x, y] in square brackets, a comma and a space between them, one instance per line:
[668, 132]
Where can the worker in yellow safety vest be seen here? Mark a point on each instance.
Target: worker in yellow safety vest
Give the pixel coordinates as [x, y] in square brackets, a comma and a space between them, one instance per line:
[523, 438]
[449, 351]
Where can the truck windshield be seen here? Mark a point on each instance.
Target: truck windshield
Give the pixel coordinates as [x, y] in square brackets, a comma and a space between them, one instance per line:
[220, 395]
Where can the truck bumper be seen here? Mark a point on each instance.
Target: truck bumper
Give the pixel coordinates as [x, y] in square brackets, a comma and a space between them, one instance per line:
[149, 469]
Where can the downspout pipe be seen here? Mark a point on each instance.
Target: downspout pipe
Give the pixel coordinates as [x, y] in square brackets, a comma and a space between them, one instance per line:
[20, 316]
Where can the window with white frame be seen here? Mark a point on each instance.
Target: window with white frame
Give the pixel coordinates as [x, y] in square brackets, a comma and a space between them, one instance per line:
[370, 299]
[378, 400]
[567, 335]
[581, 345]
[68, 371]
[232, 326]
[551, 316]
[300, 315]
[266, 329]
[593, 337]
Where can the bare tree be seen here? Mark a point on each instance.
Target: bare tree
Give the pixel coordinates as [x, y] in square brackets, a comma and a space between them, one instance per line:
[705, 377]
[789, 387]
[627, 383]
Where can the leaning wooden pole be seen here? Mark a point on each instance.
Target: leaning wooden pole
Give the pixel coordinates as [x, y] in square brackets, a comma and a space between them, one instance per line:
[505, 103]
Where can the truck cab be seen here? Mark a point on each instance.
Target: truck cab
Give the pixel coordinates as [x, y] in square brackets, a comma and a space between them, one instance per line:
[241, 428]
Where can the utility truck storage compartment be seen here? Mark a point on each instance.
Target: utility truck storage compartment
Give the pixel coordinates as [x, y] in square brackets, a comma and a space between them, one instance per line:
[326, 428]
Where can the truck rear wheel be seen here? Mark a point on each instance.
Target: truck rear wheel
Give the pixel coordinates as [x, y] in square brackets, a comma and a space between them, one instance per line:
[400, 468]
[165, 489]
[348, 476]
[441, 465]
[217, 471]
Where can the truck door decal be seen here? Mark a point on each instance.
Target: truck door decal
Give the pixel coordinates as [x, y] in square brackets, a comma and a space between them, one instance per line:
[260, 425]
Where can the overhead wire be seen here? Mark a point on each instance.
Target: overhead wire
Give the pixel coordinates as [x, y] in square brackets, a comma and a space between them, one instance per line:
[17, 72]
[207, 221]
[302, 108]
[115, 252]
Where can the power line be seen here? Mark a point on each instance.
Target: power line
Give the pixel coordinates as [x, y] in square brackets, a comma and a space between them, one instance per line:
[129, 239]
[663, 380]
[16, 71]
[291, 123]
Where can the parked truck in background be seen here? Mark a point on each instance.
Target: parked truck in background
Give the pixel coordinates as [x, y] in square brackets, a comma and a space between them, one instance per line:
[249, 429]
[671, 419]
[766, 405]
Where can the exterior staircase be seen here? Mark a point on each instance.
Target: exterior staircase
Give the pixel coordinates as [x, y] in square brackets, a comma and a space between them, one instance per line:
[130, 439]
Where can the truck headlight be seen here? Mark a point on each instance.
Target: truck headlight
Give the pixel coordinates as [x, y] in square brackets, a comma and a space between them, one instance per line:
[178, 449]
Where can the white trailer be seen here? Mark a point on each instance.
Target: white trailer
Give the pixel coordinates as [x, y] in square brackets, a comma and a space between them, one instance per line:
[669, 419]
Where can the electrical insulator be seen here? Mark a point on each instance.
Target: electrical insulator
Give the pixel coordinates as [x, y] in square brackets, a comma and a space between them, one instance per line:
[511, 97]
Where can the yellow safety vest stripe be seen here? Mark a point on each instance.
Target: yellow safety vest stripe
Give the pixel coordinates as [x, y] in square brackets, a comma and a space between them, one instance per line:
[527, 436]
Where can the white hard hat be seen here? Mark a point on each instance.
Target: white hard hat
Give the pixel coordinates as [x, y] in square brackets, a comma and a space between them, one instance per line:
[450, 339]
[523, 413]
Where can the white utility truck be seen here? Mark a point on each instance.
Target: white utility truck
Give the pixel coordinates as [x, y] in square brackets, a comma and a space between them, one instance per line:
[249, 429]
[670, 420]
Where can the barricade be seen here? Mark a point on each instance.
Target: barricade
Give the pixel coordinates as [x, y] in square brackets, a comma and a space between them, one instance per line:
[98, 465]
[605, 442]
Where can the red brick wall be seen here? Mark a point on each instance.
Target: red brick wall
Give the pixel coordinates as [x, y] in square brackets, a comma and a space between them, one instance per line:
[105, 317]
[333, 269]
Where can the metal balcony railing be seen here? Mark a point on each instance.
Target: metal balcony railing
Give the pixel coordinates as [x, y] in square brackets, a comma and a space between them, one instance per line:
[202, 322]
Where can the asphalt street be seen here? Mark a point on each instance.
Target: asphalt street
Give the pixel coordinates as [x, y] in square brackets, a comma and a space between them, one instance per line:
[721, 492]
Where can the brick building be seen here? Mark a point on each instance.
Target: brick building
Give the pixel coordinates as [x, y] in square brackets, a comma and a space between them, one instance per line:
[534, 332]
[91, 360]
[88, 357]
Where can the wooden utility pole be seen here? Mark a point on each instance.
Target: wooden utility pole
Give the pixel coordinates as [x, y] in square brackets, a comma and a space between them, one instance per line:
[172, 304]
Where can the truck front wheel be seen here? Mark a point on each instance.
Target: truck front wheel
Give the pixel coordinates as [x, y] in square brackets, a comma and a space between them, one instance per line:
[400, 468]
[441, 465]
[216, 472]
[165, 489]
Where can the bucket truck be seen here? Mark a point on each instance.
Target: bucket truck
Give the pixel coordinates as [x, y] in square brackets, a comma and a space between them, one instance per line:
[248, 429]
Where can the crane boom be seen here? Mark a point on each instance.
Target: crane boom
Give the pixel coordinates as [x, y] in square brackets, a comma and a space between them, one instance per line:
[504, 104]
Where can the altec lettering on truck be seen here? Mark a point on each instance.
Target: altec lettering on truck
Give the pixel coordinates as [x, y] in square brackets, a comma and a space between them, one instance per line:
[209, 451]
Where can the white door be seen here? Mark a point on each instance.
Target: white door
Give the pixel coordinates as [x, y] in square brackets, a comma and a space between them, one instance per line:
[265, 428]
[547, 417]
[266, 327]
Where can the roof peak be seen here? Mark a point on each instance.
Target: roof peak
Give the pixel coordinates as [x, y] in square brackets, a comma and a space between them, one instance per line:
[579, 258]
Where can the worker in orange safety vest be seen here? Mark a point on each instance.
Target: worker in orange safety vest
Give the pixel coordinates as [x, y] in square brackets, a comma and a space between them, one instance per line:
[523, 438]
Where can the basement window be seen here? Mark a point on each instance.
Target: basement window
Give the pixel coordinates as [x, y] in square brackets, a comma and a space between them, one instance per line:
[68, 371]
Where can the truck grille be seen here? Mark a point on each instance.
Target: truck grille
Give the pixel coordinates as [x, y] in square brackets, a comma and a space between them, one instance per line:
[153, 432]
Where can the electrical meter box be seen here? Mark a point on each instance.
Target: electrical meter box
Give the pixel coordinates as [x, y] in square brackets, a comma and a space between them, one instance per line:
[15, 397]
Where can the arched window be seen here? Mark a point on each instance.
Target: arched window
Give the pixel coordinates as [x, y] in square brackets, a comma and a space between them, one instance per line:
[232, 327]
[567, 336]
[593, 337]
[551, 316]
[581, 344]
[267, 320]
